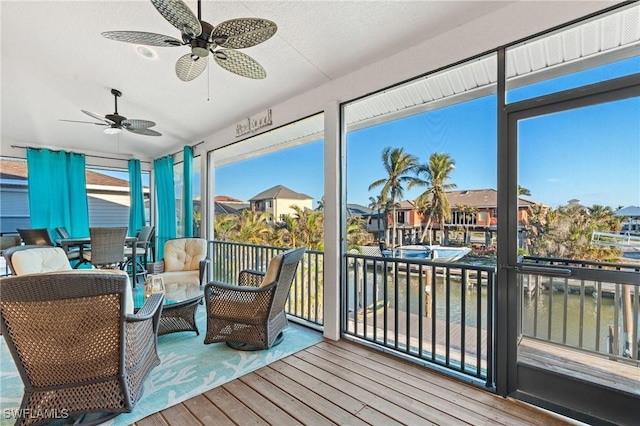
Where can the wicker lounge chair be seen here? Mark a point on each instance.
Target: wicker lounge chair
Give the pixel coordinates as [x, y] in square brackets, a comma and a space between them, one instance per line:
[6, 242]
[24, 260]
[183, 266]
[75, 346]
[250, 315]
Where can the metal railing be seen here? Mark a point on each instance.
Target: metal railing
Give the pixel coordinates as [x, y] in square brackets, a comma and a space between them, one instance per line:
[433, 312]
[305, 297]
[583, 305]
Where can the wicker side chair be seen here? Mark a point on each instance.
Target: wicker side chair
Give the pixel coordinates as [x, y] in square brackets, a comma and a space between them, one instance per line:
[75, 346]
[250, 315]
[107, 247]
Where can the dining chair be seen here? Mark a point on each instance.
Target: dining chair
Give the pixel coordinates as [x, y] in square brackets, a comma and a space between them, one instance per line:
[35, 236]
[107, 247]
[138, 266]
[42, 237]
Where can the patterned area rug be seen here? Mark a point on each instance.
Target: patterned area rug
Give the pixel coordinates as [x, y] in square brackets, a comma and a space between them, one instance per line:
[188, 368]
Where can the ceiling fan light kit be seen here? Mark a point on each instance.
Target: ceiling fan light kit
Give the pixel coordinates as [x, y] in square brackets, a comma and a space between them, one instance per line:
[221, 40]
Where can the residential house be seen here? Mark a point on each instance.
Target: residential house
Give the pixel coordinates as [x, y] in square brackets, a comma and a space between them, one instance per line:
[473, 210]
[279, 202]
[108, 198]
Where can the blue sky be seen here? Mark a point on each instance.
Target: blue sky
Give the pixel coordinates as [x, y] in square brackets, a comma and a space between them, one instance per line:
[591, 154]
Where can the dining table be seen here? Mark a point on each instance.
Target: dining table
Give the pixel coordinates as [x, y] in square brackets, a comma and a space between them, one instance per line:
[83, 242]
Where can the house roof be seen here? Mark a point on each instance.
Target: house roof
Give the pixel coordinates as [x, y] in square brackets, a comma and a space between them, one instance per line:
[227, 199]
[280, 192]
[11, 169]
[481, 198]
[630, 211]
[358, 210]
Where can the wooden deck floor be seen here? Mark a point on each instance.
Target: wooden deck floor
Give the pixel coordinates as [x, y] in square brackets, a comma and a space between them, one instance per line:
[345, 383]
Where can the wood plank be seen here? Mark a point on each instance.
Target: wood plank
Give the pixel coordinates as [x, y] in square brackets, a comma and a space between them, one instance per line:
[332, 411]
[343, 382]
[587, 367]
[346, 383]
[207, 413]
[431, 402]
[179, 415]
[450, 387]
[233, 408]
[270, 412]
[285, 401]
[416, 406]
[155, 419]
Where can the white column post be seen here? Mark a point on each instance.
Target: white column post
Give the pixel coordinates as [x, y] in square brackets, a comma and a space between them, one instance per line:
[332, 221]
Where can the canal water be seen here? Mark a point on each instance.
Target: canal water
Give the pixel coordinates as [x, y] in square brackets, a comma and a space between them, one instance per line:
[583, 323]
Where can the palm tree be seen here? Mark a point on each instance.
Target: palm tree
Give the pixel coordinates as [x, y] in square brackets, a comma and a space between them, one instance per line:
[434, 199]
[523, 191]
[399, 166]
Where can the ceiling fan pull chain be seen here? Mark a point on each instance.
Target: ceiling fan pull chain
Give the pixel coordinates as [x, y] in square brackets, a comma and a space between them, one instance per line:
[208, 81]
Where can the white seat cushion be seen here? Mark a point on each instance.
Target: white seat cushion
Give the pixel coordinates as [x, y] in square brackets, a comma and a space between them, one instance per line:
[184, 254]
[45, 259]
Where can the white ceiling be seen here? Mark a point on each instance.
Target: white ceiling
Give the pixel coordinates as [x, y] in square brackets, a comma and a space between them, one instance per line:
[55, 62]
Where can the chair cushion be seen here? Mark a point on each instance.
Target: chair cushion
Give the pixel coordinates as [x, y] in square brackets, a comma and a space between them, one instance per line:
[272, 271]
[184, 254]
[38, 260]
[191, 278]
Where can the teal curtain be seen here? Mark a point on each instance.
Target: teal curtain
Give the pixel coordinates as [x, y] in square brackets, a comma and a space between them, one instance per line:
[58, 191]
[166, 199]
[187, 192]
[136, 210]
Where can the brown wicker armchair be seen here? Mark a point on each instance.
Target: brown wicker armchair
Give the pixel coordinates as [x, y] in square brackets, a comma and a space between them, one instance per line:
[77, 349]
[250, 315]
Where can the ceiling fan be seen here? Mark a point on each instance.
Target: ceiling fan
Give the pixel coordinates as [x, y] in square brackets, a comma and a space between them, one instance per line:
[116, 122]
[202, 37]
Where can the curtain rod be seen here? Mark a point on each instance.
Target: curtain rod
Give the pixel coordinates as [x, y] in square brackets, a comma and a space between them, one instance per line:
[86, 155]
[192, 146]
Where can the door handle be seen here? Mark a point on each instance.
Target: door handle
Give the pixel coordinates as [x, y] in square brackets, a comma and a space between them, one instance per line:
[544, 270]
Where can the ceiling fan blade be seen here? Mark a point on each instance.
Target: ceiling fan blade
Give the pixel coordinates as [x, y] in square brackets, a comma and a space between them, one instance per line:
[179, 15]
[135, 124]
[98, 117]
[189, 66]
[84, 122]
[139, 37]
[239, 63]
[144, 132]
[242, 32]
